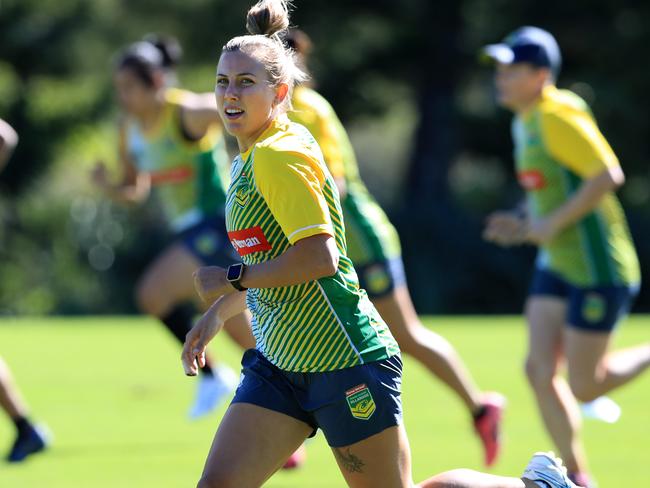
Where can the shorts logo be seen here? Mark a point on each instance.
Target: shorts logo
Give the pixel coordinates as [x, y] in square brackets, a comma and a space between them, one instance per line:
[532, 179]
[594, 307]
[248, 241]
[360, 401]
[377, 279]
[207, 243]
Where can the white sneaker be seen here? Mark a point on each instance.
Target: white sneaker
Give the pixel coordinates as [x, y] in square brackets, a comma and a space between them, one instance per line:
[602, 408]
[546, 471]
[212, 390]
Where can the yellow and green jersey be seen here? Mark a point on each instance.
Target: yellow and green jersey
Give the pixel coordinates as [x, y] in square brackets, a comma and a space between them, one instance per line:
[370, 235]
[187, 175]
[558, 146]
[281, 192]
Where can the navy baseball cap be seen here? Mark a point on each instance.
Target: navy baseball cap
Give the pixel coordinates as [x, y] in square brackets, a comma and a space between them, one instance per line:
[527, 45]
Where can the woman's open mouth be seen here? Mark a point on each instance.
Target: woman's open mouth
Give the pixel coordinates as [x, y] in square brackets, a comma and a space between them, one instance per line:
[233, 113]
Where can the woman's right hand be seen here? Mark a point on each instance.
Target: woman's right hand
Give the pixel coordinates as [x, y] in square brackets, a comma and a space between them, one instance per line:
[505, 228]
[197, 339]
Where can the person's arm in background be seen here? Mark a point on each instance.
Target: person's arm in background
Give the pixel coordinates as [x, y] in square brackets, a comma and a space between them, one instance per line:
[199, 112]
[574, 140]
[8, 141]
[134, 186]
[582, 202]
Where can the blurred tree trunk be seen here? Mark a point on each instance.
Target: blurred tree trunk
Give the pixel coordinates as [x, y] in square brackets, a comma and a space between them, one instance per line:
[435, 144]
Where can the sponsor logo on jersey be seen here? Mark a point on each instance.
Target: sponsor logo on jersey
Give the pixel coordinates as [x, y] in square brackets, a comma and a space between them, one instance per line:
[360, 401]
[532, 179]
[171, 176]
[248, 241]
[594, 307]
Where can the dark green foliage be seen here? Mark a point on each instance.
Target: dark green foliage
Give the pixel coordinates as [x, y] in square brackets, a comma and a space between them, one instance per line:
[369, 57]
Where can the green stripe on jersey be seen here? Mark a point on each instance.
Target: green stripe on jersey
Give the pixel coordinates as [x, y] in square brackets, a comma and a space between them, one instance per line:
[595, 242]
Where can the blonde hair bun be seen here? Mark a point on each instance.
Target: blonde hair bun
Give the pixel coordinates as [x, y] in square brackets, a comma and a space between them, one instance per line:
[268, 18]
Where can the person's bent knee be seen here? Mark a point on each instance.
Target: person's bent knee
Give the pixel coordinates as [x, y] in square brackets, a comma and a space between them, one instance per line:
[419, 342]
[539, 375]
[408, 344]
[583, 390]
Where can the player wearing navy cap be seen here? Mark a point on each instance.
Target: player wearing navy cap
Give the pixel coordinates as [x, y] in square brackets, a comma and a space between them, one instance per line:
[587, 272]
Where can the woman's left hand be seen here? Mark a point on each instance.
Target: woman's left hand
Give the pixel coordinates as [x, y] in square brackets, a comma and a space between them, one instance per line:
[540, 231]
[210, 283]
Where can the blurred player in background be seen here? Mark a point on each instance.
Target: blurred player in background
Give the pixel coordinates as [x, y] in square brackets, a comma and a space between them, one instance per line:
[171, 143]
[30, 438]
[587, 272]
[374, 248]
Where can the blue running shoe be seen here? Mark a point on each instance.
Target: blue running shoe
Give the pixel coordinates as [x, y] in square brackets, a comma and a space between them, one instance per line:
[29, 442]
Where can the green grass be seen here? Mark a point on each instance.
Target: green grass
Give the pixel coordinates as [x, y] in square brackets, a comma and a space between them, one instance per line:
[113, 392]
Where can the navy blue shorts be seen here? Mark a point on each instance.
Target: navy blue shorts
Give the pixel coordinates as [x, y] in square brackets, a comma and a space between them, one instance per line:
[348, 405]
[596, 309]
[209, 243]
[381, 277]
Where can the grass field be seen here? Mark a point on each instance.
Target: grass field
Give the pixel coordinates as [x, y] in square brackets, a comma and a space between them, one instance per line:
[113, 392]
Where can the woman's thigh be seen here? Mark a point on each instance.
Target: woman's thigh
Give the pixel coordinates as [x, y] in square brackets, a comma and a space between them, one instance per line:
[383, 459]
[251, 443]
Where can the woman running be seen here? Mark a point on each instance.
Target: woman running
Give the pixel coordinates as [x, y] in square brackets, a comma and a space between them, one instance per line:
[30, 438]
[374, 248]
[171, 143]
[587, 273]
[324, 357]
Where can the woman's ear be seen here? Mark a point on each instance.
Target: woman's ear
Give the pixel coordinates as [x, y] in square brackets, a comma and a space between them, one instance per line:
[281, 93]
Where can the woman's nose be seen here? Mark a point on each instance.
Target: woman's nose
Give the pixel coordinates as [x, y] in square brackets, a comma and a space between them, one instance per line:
[231, 92]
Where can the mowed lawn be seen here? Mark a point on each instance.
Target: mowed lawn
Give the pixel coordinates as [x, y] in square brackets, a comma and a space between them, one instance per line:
[113, 392]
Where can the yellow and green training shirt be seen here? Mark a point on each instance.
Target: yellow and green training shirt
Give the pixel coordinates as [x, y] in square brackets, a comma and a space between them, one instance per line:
[187, 175]
[370, 236]
[281, 192]
[557, 147]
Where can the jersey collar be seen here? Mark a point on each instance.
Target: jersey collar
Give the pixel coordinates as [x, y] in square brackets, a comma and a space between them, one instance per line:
[280, 123]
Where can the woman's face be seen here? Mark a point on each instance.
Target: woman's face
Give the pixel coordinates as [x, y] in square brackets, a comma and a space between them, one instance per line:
[518, 85]
[134, 95]
[245, 98]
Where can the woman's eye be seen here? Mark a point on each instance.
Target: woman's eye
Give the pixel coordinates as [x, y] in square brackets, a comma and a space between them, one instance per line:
[222, 82]
[247, 81]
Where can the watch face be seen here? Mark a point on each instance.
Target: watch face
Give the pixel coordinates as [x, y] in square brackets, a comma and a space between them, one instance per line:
[234, 272]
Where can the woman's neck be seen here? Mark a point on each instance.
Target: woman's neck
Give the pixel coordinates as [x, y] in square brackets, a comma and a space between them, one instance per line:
[149, 118]
[245, 143]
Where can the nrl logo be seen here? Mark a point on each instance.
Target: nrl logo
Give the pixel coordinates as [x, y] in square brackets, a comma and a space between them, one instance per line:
[360, 401]
[241, 193]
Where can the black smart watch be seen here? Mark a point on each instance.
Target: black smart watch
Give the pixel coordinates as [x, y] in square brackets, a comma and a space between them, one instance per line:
[235, 274]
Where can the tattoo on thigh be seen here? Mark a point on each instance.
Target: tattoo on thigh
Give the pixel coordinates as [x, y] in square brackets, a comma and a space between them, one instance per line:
[350, 462]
